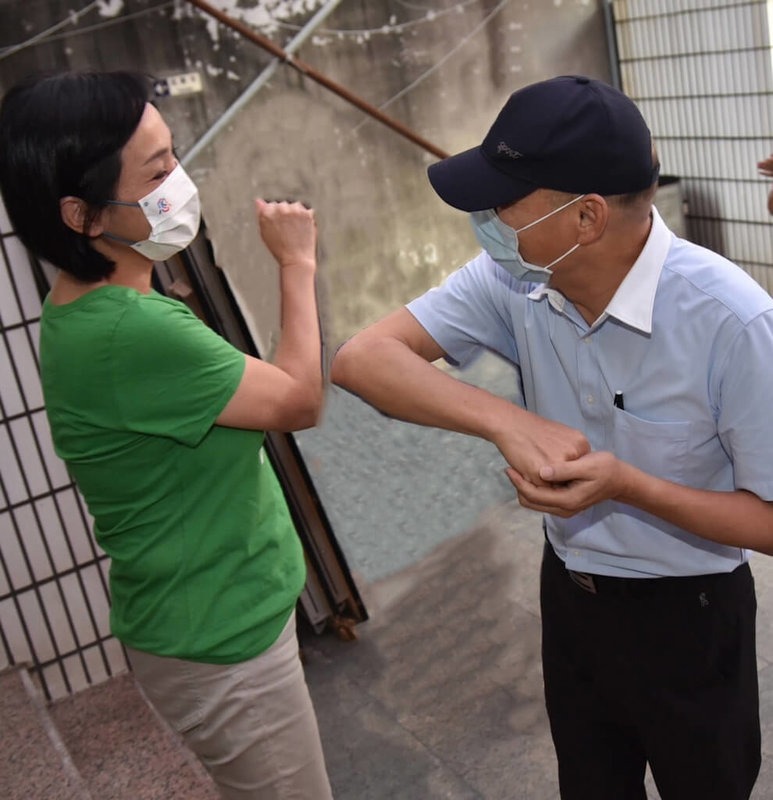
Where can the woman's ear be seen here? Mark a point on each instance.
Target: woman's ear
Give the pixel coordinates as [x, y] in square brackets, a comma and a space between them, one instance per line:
[594, 215]
[75, 215]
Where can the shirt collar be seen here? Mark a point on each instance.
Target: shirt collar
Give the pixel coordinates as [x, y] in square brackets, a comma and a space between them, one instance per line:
[634, 299]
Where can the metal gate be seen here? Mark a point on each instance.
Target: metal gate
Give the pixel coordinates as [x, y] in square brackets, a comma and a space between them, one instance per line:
[702, 74]
[54, 604]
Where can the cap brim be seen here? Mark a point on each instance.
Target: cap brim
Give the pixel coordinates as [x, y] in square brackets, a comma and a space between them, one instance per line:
[469, 182]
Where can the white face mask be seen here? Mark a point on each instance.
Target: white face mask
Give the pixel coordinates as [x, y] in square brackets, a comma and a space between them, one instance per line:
[500, 241]
[174, 214]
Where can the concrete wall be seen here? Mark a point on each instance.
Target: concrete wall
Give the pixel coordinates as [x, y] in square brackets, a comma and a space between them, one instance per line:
[384, 236]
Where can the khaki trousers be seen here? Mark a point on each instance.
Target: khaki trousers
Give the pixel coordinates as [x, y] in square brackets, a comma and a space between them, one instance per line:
[251, 724]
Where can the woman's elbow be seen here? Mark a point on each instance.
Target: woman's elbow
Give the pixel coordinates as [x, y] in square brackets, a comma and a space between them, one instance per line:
[313, 412]
[302, 411]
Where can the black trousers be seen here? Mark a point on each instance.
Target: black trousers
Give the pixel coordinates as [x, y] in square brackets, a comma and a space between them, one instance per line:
[651, 670]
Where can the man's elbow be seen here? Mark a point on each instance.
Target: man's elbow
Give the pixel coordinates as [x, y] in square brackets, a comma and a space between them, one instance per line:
[343, 369]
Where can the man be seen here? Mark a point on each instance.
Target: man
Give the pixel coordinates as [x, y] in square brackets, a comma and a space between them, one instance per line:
[646, 440]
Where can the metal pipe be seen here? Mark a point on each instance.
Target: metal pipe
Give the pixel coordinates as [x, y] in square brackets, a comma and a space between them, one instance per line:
[258, 83]
[318, 77]
[612, 51]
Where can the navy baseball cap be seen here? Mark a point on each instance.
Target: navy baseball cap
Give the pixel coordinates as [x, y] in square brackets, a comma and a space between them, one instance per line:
[572, 134]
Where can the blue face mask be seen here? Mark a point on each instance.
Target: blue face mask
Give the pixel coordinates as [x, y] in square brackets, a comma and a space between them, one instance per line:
[500, 241]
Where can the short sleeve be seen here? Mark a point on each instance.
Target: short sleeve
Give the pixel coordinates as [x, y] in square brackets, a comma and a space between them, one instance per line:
[171, 374]
[744, 415]
[472, 309]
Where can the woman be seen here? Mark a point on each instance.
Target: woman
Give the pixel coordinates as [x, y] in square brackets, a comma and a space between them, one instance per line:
[160, 422]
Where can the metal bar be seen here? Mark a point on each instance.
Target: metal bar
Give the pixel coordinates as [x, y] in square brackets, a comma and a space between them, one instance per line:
[717, 179]
[46, 545]
[42, 280]
[41, 495]
[743, 262]
[685, 53]
[68, 653]
[63, 573]
[54, 494]
[54, 498]
[92, 542]
[36, 592]
[729, 220]
[14, 598]
[612, 48]
[318, 77]
[684, 11]
[259, 82]
[707, 96]
[24, 414]
[674, 138]
[9, 657]
[17, 325]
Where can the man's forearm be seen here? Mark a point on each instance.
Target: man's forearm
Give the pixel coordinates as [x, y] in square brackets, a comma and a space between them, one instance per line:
[387, 374]
[394, 378]
[738, 519]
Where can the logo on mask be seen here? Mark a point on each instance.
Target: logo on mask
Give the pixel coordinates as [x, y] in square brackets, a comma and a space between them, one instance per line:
[164, 205]
[505, 148]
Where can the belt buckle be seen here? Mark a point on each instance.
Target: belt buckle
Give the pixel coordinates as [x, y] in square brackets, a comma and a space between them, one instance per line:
[583, 580]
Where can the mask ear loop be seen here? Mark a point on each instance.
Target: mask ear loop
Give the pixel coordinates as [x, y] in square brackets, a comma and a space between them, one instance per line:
[112, 235]
[550, 214]
[561, 258]
[116, 238]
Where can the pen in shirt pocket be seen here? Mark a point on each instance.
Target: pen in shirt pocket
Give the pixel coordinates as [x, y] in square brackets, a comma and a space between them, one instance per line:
[618, 401]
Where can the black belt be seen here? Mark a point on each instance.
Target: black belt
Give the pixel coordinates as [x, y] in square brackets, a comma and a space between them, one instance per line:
[608, 584]
[584, 581]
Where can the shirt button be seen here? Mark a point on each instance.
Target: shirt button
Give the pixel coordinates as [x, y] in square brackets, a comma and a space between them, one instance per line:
[576, 552]
[586, 340]
[590, 398]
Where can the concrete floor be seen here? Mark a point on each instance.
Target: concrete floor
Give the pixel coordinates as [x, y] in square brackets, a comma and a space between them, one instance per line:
[441, 696]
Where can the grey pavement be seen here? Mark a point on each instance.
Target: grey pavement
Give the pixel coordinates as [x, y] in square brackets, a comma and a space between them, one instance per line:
[441, 695]
[394, 491]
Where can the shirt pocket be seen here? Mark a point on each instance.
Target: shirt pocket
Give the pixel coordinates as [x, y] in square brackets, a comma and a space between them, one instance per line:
[658, 448]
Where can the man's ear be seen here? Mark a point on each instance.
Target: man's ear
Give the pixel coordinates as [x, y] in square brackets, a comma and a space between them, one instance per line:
[594, 215]
[75, 213]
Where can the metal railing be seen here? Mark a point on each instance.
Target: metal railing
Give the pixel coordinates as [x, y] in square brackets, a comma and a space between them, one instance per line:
[54, 603]
[702, 75]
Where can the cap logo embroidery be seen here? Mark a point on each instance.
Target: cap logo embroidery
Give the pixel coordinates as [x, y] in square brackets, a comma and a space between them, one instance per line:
[505, 148]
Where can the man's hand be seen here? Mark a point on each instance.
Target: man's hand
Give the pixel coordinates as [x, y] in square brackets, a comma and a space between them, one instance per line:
[531, 443]
[766, 168]
[569, 487]
[736, 518]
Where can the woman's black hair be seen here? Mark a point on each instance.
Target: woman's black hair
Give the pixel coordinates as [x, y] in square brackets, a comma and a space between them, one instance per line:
[62, 135]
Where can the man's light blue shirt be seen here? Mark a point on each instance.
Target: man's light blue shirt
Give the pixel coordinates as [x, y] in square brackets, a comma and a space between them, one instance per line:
[687, 338]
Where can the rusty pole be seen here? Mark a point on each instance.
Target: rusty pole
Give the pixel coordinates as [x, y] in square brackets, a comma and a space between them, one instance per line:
[323, 80]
